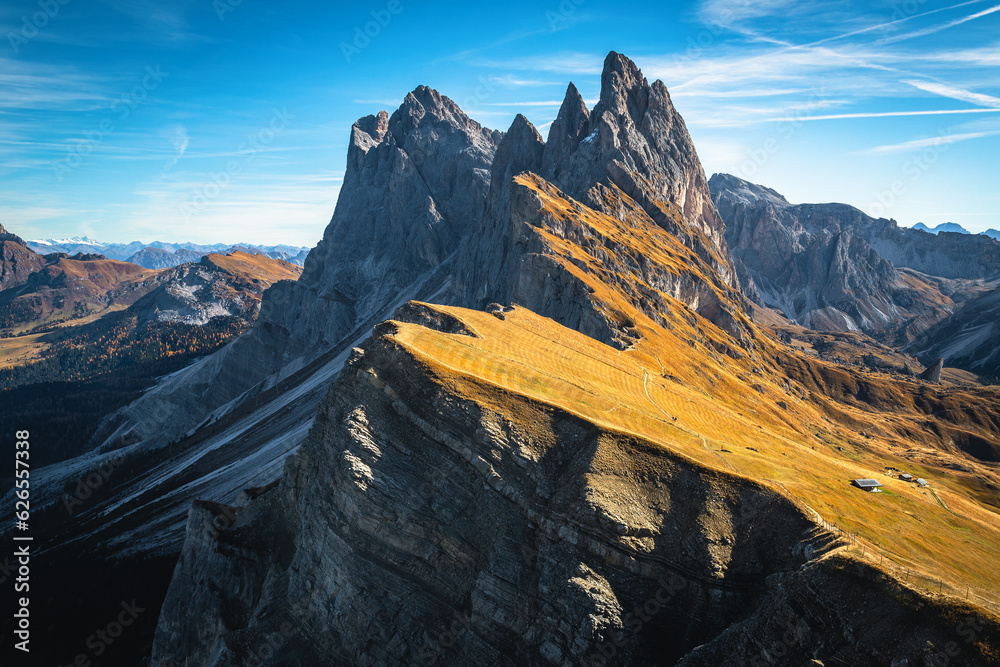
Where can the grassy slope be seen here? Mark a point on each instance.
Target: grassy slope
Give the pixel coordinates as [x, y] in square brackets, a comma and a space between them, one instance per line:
[675, 389]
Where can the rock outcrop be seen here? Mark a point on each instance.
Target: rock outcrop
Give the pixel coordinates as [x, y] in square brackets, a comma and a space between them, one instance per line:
[214, 286]
[970, 338]
[419, 526]
[17, 261]
[630, 158]
[822, 264]
[933, 372]
[635, 140]
[415, 185]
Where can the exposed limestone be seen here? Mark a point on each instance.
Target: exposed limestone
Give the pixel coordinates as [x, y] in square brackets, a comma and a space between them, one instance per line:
[414, 512]
[933, 372]
[821, 265]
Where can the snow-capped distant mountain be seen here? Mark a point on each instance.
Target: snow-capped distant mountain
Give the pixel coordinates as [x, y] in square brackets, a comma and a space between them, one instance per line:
[73, 241]
[992, 233]
[178, 252]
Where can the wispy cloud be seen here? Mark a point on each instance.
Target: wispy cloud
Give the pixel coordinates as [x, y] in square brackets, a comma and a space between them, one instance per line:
[944, 26]
[883, 114]
[929, 142]
[889, 24]
[179, 138]
[956, 93]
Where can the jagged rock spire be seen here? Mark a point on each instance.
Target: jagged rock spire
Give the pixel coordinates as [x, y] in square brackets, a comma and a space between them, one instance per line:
[636, 140]
[570, 127]
[484, 270]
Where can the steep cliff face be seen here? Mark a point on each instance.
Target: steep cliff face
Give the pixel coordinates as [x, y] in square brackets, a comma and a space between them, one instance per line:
[447, 508]
[430, 198]
[970, 338]
[527, 534]
[634, 139]
[816, 264]
[415, 184]
[948, 254]
[631, 159]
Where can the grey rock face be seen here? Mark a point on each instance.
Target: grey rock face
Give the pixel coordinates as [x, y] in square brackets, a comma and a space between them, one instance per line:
[947, 255]
[816, 264]
[635, 139]
[933, 372]
[970, 338]
[416, 526]
[17, 261]
[631, 157]
[415, 185]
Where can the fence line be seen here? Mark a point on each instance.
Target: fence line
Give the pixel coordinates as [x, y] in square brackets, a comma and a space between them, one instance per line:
[868, 551]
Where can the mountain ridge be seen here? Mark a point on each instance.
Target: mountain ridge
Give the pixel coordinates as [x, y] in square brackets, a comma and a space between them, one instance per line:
[390, 450]
[831, 267]
[161, 254]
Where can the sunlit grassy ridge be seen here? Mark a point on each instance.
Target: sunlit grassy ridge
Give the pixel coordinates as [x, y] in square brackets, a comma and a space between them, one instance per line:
[803, 417]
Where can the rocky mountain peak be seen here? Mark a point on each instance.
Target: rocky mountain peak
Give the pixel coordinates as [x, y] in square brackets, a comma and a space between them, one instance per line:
[426, 109]
[522, 149]
[570, 126]
[635, 140]
[370, 130]
[7, 236]
[732, 189]
[624, 90]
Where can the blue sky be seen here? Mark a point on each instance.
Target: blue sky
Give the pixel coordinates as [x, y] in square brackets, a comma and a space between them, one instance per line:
[228, 121]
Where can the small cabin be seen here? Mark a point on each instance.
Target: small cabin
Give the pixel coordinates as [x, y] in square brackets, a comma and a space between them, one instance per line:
[906, 477]
[869, 485]
[922, 482]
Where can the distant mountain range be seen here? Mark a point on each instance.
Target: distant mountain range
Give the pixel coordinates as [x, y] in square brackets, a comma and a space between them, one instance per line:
[160, 254]
[955, 228]
[830, 267]
[519, 390]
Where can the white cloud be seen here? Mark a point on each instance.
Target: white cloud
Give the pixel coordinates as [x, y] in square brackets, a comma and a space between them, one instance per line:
[945, 26]
[956, 93]
[885, 114]
[179, 138]
[928, 142]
